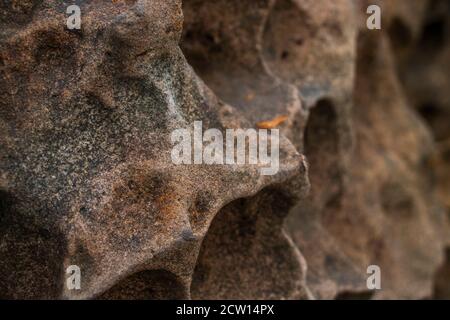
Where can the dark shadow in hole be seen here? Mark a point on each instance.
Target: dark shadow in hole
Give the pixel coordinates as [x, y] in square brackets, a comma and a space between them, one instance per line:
[399, 34]
[442, 280]
[437, 119]
[200, 42]
[322, 150]
[146, 285]
[433, 35]
[429, 111]
[320, 132]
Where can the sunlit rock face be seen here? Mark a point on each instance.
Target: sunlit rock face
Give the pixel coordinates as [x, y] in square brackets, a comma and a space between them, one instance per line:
[87, 178]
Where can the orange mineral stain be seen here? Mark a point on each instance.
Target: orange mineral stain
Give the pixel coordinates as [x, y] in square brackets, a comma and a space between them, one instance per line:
[270, 124]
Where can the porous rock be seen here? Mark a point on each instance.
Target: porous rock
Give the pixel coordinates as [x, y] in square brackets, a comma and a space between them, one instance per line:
[86, 176]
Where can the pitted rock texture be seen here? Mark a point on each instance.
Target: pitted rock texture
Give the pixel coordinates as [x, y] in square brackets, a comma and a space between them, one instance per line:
[86, 176]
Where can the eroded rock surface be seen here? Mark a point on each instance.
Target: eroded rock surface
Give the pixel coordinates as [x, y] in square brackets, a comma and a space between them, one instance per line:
[86, 176]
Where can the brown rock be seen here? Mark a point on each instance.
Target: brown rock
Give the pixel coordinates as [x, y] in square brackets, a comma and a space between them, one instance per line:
[87, 179]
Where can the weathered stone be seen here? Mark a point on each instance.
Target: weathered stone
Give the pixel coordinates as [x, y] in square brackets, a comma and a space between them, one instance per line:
[86, 175]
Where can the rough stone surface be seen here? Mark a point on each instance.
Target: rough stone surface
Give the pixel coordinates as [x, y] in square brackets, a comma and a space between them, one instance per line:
[86, 176]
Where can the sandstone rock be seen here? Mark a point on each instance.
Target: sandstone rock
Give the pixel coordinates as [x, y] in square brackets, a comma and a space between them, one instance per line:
[86, 176]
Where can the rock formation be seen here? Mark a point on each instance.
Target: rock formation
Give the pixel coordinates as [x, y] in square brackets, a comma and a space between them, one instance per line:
[86, 176]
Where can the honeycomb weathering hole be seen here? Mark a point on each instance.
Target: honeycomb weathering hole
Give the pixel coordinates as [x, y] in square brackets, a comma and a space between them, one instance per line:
[400, 34]
[245, 255]
[322, 148]
[287, 41]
